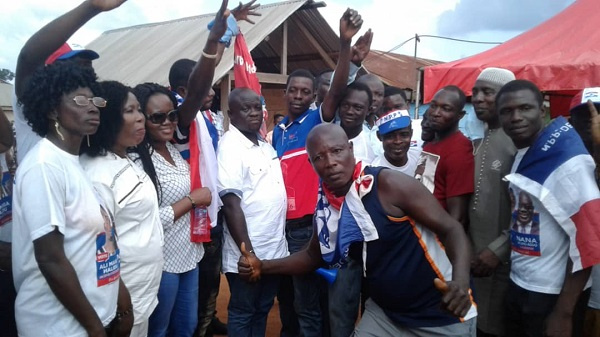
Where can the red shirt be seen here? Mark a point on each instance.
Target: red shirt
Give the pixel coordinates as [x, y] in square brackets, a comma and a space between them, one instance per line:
[453, 167]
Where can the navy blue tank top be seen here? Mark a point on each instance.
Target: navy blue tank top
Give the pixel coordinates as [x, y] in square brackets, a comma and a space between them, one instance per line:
[401, 267]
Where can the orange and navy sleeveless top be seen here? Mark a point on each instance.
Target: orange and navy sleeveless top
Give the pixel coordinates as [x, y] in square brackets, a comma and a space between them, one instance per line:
[401, 266]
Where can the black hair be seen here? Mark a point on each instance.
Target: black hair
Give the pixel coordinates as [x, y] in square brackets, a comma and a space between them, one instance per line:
[392, 91]
[462, 99]
[275, 116]
[143, 92]
[320, 75]
[518, 85]
[302, 73]
[45, 89]
[180, 73]
[111, 119]
[358, 86]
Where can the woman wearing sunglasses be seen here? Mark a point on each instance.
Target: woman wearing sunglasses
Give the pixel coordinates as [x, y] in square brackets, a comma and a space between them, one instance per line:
[132, 198]
[177, 310]
[66, 287]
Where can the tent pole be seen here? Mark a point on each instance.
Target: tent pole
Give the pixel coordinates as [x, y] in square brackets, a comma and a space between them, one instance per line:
[418, 77]
[417, 94]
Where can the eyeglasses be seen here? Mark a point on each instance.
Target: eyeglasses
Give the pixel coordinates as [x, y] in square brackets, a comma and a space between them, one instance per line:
[84, 101]
[161, 117]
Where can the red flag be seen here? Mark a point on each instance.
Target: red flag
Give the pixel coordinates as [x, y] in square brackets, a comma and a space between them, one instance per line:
[244, 71]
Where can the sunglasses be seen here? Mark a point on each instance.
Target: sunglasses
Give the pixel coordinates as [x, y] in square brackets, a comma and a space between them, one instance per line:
[161, 117]
[84, 101]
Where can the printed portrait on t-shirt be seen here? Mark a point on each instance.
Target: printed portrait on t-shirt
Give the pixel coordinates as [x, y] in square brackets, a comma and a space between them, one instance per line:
[110, 243]
[108, 262]
[525, 226]
[6, 179]
[426, 167]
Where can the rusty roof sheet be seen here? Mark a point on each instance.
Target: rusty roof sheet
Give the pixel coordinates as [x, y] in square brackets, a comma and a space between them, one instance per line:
[395, 69]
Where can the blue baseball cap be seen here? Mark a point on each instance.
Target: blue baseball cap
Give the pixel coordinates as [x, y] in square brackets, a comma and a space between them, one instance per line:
[392, 121]
[67, 51]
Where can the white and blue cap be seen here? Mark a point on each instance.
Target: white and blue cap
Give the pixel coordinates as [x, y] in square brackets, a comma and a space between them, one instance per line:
[392, 121]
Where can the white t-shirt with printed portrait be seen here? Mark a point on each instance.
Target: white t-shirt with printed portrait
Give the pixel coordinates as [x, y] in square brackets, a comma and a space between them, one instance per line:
[130, 196]
[539, 245]
[52, 192]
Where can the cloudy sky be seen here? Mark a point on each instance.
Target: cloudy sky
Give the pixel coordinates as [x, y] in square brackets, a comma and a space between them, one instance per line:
[393, 22]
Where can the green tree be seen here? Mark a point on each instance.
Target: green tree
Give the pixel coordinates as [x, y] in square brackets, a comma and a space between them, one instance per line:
[6, 75]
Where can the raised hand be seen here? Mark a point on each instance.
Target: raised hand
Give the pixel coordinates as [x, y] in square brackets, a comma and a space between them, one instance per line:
[249, 266]
[220, 26]
[242, 11]
[106, 5]
[594, 123]
[350, 24]
[362, 47]
[455, 299]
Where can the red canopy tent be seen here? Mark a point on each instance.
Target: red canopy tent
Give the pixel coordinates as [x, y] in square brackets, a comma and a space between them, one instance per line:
[561, 56]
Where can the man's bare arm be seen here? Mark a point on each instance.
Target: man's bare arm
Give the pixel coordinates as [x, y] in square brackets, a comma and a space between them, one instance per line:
[302, 262]
[350, 24]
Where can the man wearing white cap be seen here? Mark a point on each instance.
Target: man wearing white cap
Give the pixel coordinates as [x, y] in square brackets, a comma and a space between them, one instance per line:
[395, 132]
[489, 209]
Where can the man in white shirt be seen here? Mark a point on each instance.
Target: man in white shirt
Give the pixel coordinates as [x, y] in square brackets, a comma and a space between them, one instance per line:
[250, 183]
[552, 179]
[395, 133]
[353, 110]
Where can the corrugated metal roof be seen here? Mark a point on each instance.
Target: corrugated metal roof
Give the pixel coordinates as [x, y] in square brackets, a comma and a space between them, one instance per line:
[145, 53]
[395, 69]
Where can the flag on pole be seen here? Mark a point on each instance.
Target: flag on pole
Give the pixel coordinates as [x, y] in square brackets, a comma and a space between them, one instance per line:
[244, 71]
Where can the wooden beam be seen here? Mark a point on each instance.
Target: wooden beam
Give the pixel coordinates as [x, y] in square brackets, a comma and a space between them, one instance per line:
[225, 90]
[284, 49]
[293, 58]
[272, 78]
[269, 78]
[314, 43]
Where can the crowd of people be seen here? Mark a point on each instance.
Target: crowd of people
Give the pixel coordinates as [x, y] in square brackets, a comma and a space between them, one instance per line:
[129, 202]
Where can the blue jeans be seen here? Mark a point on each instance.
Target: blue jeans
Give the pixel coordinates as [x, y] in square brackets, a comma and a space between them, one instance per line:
[306, 294]
[210, 279]
[177, 311]
[249, 304]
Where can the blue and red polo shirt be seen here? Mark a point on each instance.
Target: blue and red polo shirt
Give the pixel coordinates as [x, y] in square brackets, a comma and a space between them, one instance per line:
[301, 181]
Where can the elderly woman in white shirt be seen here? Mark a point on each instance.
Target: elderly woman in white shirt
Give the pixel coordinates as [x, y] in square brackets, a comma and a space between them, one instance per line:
[64, 286]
